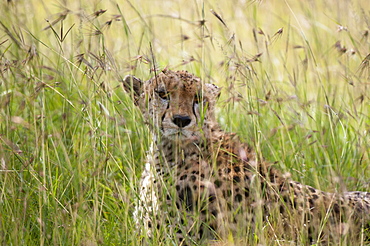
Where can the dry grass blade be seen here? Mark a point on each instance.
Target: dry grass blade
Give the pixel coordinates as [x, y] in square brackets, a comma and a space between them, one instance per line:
[61, 16]
[218, 17]
[12, 37]
[4, 41]
[10, 144]
[276, 35]
[255, 58]
[98, 13]
[141, 58]
[81, 59]
[155, 67]
[341, 49]
[175, 17]
[364, 66]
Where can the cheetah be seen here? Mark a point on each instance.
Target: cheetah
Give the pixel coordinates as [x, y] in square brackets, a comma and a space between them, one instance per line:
[204, 185]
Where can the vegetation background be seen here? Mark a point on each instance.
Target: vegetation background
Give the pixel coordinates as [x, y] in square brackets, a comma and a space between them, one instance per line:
[295, 79]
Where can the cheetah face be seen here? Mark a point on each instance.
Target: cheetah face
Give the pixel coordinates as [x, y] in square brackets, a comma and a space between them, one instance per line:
[177, 105]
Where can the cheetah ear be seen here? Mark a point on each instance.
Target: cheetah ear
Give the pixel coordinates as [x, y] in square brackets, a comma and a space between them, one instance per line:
[215, 90]
[133, 85]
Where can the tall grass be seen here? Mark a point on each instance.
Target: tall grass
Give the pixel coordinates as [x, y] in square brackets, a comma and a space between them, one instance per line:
[295, 78]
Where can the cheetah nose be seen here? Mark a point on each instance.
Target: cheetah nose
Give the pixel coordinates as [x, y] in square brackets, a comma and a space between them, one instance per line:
[181, 120]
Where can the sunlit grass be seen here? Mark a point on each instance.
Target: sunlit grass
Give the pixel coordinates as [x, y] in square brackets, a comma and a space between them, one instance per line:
[295, 78]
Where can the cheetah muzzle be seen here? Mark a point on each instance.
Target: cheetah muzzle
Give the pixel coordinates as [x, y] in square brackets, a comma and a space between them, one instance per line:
[202, 184]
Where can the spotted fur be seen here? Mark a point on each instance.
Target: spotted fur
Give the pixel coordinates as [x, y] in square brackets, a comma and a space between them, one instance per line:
[202, 184]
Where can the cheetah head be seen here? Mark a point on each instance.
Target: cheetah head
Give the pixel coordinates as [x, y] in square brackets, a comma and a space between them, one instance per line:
[177, 105]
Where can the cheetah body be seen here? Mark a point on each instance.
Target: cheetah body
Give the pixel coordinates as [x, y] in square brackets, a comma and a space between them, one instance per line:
[201, 183]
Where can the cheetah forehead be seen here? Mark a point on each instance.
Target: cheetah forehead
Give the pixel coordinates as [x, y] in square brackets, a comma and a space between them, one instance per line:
[180, 80]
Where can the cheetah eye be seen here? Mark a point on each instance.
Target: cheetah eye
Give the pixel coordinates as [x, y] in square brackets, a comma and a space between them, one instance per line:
[163, 94]
[198, 98]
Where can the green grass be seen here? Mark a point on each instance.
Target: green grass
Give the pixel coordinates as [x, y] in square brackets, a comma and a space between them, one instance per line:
[72, 144]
